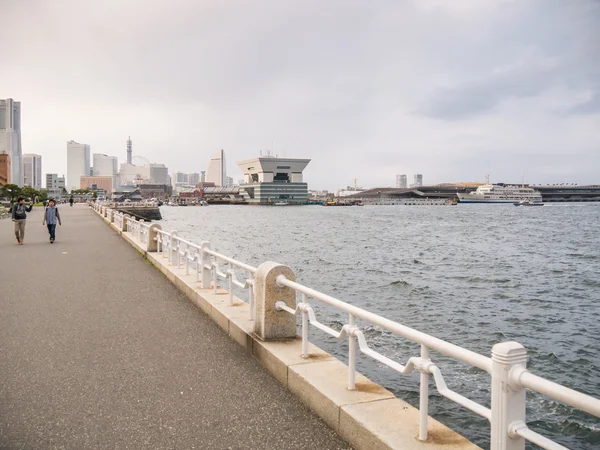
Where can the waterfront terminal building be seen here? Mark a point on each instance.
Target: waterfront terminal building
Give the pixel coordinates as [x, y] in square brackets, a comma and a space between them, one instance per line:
[271, 180]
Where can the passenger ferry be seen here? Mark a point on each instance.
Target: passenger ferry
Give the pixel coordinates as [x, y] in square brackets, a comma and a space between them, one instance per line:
[501, 193]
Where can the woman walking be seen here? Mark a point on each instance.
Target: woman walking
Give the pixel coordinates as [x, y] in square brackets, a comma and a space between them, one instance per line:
[19, 217]
[51, 218]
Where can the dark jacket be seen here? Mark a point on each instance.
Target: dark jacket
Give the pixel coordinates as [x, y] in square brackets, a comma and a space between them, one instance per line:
[18, 211]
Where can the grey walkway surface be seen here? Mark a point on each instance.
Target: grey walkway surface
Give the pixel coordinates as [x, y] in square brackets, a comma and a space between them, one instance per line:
[99, 351]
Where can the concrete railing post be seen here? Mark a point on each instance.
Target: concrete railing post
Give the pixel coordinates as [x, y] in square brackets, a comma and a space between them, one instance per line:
[508, 402]
[124, 223]
[152, 244]
[268, 322]
[205, 260]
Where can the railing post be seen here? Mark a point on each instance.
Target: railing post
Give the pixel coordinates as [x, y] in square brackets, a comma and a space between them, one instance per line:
[173, 249]
[230, 282]
[304, 327]
[351, 353]
[251, 297]
[508, 402]
[424, 397]
[124, 223]
[152, 245]
[270, 323]
[215, 280]
[205, 262]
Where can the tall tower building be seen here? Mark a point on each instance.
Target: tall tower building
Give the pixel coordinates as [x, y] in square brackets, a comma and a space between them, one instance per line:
[401, 181]
[418, 179]
[216, 172]
[10, 138]
[106, 166]
[78, 164]
[129, 150]
[32, 170]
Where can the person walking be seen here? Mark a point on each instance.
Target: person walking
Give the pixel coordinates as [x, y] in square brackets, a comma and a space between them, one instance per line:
[51, 218]
[71, 200]
[19, 217]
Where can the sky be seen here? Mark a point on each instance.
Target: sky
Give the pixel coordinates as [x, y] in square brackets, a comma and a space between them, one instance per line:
[455, 90]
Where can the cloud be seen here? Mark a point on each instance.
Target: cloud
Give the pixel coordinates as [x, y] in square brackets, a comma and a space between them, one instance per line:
[370, 89]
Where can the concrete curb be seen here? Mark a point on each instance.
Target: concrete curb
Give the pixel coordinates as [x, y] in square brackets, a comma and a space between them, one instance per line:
[370, 417]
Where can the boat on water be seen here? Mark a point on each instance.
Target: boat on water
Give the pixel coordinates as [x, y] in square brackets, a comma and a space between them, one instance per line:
[502, 193]
[528, 203]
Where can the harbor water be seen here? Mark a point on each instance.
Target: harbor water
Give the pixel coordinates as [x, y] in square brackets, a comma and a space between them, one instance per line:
[474, 275]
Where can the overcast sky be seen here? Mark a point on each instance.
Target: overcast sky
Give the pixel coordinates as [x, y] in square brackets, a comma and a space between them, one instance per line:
[452, 89]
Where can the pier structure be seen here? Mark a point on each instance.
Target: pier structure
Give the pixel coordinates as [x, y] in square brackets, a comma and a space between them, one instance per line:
[270, 179]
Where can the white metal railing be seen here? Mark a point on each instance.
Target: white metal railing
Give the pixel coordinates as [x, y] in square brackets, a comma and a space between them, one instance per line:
[509, 377]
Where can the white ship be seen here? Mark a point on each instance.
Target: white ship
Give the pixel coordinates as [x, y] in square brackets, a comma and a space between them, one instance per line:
[501, 193]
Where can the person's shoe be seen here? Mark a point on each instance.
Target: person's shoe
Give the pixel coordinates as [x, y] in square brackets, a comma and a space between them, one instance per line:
[18, 241]
[52, 241]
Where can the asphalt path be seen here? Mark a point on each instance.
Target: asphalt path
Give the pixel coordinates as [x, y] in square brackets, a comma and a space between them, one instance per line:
[98, 350]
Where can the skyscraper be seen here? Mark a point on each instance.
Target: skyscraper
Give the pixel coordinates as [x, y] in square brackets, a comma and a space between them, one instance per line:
[106, 166]
[10, 137]
[32, 170]
[401, 181]
[78, 164]
[216, 169]
[418, 180]
[193, 178]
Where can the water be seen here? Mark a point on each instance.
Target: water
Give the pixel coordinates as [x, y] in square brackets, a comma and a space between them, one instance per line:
[474, 275]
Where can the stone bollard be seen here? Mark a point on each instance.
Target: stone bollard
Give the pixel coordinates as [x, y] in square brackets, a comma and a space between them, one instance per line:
[508, 401]
[268, 322]
[152, 245]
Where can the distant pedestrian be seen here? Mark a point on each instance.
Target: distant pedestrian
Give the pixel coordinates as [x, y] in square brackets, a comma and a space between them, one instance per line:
[51, 218]
[71, 200]
[19, 217]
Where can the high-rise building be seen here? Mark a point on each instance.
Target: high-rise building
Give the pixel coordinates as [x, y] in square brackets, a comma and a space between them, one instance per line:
[418, 180]
[10, 137]
[4, 169]
[106, 166]
[180, 177]
[228, 181]
[193, 178]
[78, 164]
[159, 174]
[216, 169]
[32, 170]
[401, 182]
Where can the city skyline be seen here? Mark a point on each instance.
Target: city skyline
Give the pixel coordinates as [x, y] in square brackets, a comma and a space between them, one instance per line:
[454, 90]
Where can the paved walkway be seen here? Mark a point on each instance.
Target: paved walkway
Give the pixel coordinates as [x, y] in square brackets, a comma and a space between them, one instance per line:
[98, 350]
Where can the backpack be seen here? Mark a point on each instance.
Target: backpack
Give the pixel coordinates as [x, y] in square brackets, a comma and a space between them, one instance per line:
[20, 212]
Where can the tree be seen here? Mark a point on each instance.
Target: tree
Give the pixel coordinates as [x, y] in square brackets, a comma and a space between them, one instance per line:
[10, 191]
[43, 195]
[29, 192]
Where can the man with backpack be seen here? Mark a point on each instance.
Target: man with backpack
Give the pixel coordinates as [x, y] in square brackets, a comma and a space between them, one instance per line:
[51, 218]
[19, 217]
